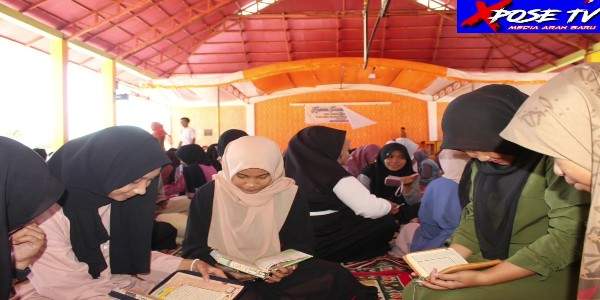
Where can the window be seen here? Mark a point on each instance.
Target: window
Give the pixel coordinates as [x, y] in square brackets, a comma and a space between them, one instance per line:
[256, 6]
[435, 4]
[26, 105]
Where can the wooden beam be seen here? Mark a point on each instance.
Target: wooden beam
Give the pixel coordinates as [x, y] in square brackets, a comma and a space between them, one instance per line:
[437, 39]
[125, 11]
[194, 13]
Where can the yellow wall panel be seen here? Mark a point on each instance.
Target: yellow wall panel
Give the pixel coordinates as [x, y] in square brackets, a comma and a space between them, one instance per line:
[206, 118]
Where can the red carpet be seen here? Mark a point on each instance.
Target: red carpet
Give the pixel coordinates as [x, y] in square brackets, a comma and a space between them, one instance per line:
[388, 273]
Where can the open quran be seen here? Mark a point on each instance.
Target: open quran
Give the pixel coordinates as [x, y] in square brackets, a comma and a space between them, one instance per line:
[185, 285]
[445, 260]
[262, 267]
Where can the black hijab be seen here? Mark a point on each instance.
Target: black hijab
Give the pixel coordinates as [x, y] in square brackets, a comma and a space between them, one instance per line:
[228, 137]
[193, 155]
[377, 171]
[27, 190]
[311, 160]
[473, 122]
[213, 156]
[91, 167]
[174, 162]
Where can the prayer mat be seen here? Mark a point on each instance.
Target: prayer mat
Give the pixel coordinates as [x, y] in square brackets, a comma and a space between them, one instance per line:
[389, 274]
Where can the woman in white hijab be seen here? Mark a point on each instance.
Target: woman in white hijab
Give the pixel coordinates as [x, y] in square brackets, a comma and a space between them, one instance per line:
[562, 120]
[251, 210]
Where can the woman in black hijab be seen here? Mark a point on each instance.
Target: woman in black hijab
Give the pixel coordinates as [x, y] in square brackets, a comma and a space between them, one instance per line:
[515, 209]
[196, 168]
[349, 222]
[394, 160]
[105, 225]
[213, 156]
[27, 190]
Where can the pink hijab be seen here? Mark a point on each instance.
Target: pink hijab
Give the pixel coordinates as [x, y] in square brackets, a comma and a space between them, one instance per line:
[361, 158]
[246, 226]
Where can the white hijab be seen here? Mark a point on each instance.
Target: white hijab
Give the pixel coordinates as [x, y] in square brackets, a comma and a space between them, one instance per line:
[246, 226]
[453, 163]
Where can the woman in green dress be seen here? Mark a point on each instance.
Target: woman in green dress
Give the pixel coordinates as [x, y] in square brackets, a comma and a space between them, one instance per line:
[568, 131]
[515, 209]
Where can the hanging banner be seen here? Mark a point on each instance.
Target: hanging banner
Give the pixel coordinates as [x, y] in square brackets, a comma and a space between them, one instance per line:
[528, 16]
[319, 114]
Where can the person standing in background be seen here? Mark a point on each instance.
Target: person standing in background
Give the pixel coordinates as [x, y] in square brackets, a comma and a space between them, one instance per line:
[159, 133]
[403, 132]
[188, 134]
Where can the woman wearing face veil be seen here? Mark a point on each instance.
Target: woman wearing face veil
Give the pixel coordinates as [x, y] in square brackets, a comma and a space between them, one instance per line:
[252, 210]
[349, 222]
[100, 237]
[27, 190]
[515, 209]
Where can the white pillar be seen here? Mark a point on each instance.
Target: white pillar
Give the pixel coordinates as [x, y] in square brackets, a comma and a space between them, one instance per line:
[432, 120]
[250, 119]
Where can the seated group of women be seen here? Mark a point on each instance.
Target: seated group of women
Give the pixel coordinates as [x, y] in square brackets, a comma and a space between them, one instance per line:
[516, 206]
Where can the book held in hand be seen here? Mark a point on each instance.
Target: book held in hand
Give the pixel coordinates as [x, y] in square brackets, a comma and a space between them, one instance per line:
[186, 285]
[262, 267]
[445, 260]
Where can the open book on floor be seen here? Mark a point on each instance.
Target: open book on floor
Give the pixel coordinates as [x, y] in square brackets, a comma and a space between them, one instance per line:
[445, 260]
[186, 285]
[263, 266]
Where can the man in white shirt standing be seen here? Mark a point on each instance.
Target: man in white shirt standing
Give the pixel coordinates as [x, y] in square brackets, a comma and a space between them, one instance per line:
[188, 134]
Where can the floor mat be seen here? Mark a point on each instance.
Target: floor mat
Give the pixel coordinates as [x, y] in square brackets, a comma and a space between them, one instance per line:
[389, 274]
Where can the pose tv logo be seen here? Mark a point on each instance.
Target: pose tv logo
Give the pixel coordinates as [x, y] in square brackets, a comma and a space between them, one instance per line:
[527, 16]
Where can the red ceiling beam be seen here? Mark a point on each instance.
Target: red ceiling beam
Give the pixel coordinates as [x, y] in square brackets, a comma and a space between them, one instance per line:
[32, 6]
[160, 31]
[121, 11]
[523, 46]
[487, 57]
[517, 65]
[565, 41]
[243, 39]
[196, 42]
[437, 39]
[133, 15]
[288, 47]
[383, 38]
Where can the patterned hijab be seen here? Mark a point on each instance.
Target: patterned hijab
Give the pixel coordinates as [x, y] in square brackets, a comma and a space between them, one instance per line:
[561, 120]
